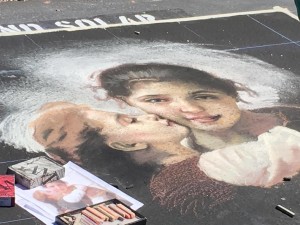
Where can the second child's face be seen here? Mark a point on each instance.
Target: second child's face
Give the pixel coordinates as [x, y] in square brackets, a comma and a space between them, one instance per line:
[136, 129]
[187, 104]
[57, 187]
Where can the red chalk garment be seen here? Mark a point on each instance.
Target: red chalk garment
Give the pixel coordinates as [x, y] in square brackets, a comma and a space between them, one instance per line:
[183, 186]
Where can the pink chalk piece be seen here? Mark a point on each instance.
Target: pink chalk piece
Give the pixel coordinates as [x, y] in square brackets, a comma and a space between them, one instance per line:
[124, 208]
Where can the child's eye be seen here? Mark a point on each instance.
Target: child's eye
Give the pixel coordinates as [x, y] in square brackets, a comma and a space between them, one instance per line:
[205, 97]
[155, 100]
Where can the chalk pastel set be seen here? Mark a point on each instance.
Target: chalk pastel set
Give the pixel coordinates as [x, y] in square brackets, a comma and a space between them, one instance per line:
[7, 190]
[37, 171]
[112, 212]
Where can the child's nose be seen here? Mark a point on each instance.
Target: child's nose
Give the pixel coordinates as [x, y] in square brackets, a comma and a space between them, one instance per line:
[189, 107]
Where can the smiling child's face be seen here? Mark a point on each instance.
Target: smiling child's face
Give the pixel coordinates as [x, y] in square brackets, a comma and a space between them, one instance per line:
[56, 187]
[187, 104]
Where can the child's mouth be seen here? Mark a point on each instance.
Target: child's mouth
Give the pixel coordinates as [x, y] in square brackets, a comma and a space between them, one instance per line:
[205, 119]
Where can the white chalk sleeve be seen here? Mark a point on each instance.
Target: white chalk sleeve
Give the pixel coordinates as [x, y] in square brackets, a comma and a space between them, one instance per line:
[276, 154]
[76, 195]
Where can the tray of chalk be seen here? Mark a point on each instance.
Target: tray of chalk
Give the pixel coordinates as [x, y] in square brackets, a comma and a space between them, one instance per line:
[112, 212]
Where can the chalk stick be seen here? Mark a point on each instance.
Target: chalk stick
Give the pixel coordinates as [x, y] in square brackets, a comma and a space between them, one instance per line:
[111, 212]
[111, 217]
[97, 213]
[285, 210]
[91, 216]
[119, 211]
[84, 220]
[132, 215]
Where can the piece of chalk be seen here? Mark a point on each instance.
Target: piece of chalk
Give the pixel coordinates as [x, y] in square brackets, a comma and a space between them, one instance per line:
[105, 208]
[92, 217]
[97, 213]
[111, 217]
[137, 32]
[84, 220]
[285, 210]
[119, 211]
[132, 215]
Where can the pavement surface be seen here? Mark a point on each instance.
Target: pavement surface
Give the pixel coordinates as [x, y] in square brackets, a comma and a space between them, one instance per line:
[13, 12]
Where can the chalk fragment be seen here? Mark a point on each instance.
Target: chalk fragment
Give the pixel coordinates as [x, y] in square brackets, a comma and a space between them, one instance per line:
[119, 211]
[285, 210]
[111, 212]
[97, 213]
[110, 217]
[92, 217]
[132, 215]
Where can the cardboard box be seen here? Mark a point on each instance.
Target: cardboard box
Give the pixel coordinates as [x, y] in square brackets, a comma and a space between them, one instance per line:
[77, 217]
[7, 190]
[37, 171]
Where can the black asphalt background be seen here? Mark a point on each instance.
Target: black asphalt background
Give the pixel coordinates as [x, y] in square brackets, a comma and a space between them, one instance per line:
[254, 206]
[45, 10]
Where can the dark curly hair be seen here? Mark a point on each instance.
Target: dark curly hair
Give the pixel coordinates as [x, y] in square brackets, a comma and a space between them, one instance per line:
[117, 81]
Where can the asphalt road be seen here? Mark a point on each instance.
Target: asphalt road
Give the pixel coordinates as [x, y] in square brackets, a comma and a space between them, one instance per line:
[13, 12]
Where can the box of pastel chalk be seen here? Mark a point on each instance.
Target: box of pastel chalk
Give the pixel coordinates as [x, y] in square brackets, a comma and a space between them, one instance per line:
[111, 212]
[7, 190]
[37, 171]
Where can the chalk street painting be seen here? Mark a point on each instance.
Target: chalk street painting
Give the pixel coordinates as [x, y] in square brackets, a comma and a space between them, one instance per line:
[204, 128]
